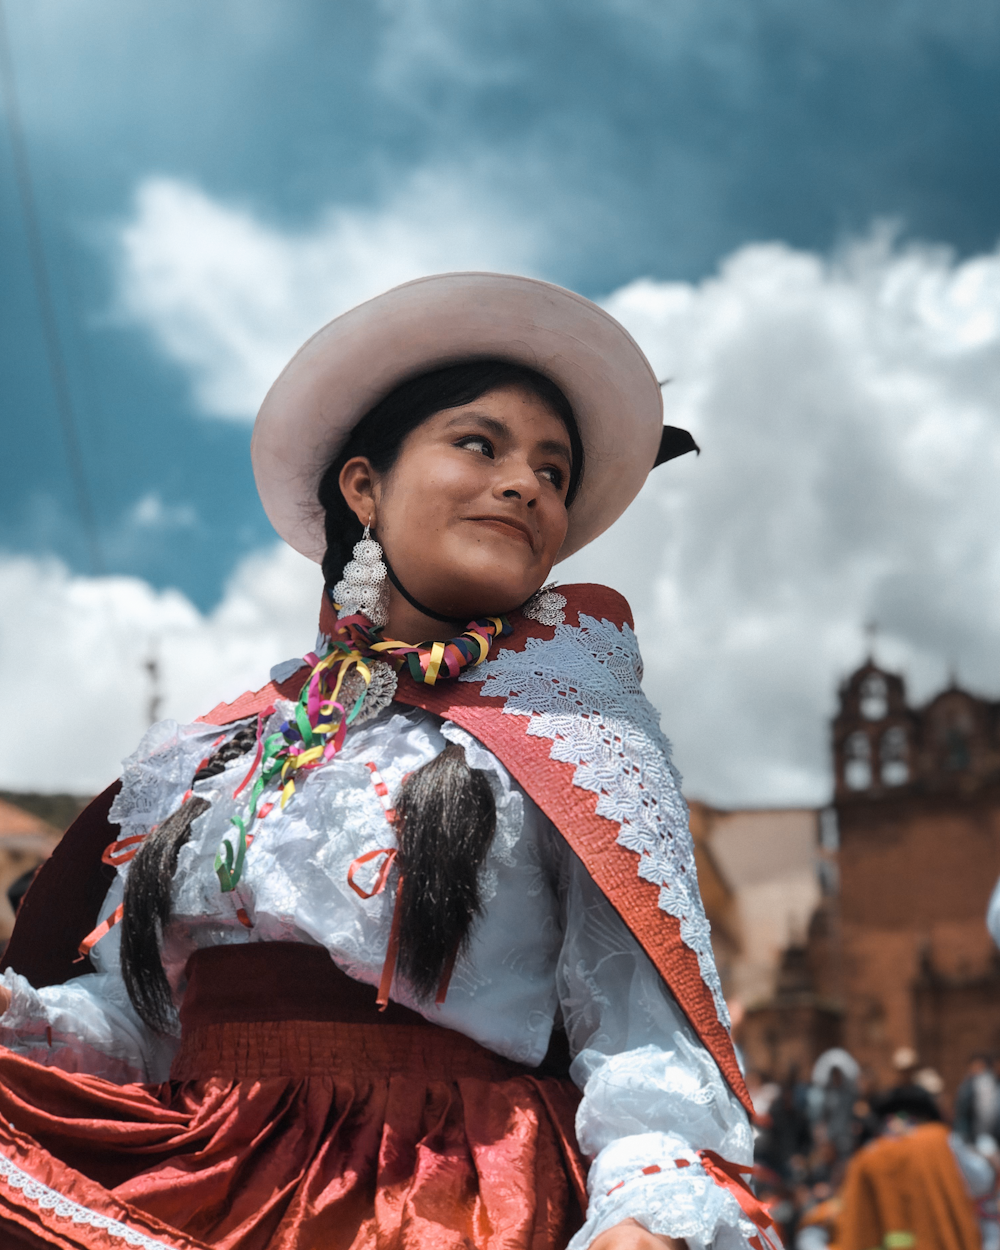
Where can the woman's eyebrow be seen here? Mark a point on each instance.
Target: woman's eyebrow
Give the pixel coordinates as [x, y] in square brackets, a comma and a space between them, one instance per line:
[481, 419]
[553, 448]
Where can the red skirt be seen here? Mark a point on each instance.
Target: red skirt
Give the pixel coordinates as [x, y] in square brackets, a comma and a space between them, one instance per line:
[296, 1117]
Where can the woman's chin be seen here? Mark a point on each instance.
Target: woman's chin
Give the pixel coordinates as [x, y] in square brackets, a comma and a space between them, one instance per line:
[488, 598]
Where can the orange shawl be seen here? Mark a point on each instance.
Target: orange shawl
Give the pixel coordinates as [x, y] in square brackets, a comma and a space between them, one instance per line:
[907, 1193]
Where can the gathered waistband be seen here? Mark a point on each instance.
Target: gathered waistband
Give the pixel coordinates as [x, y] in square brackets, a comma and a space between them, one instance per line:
[284, 1009]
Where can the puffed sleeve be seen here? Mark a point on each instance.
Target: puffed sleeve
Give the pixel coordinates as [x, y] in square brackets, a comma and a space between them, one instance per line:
[652, 1094]
[87, 1024]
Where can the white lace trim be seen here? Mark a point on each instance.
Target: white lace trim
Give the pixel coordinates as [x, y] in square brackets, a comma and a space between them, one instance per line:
[582, 690]
[658, 1181]
[51, 1199]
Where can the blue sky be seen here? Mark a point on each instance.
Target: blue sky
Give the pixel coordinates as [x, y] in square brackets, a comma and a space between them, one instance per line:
[216, 180]
[642, 138]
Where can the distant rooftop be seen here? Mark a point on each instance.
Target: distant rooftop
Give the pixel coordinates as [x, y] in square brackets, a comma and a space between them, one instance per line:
[56, 811]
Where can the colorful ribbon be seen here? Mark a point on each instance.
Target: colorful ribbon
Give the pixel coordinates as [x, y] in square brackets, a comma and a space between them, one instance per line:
[315, 732]
[382, 790]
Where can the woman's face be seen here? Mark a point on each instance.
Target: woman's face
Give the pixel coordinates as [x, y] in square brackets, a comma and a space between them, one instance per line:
[473, 512]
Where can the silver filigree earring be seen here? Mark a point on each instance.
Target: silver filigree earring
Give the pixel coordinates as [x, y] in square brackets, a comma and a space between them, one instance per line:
[362, 585]
[546, 606]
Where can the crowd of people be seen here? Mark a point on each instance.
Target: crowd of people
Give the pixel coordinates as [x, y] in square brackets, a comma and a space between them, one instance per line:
[834, 1148]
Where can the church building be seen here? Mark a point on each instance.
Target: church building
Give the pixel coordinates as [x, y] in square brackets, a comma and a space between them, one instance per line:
[897, 952]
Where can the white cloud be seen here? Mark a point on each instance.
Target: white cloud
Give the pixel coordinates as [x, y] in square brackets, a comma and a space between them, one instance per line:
[848, 411]
[74, 690]
[150, 512]
[231, 298]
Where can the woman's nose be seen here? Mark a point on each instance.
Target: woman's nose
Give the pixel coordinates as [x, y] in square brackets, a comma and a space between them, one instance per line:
[520, 483]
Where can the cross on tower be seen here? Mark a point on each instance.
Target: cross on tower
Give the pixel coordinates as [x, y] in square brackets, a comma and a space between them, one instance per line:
[871, 633]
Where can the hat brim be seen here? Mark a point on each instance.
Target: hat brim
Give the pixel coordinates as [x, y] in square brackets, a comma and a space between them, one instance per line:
[358, 358]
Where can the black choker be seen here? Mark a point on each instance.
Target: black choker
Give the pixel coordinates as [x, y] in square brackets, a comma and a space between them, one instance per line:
[446, 620]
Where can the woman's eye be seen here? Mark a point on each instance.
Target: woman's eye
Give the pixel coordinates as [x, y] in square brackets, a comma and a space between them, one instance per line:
[476, 442]
[554, 475]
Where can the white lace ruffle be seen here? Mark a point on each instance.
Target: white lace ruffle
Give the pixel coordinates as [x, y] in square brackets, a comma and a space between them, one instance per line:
[640, 1179]
[51, 1200]
[582, 691]
[993, 914]
[673, 1085]
[86, 1025]
[547, 944]
[158, 773]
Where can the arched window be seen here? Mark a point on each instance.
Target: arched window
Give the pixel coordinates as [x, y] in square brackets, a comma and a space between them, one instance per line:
[893, 753]
[857, 761]
[957, 757]
[874, 697]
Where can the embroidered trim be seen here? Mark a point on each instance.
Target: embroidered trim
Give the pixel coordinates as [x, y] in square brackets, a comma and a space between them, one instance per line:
[60, 1205]
[582, 690]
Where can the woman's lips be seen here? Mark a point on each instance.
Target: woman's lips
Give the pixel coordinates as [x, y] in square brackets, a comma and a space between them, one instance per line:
[504, 526]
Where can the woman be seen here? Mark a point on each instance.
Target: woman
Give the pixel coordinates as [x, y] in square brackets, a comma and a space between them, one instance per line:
[365, 935]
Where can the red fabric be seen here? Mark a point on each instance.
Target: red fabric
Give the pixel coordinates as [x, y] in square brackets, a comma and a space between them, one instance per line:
[280, 981]
[572, 810]
[70, 886]
[291, 1134]
[63, 902]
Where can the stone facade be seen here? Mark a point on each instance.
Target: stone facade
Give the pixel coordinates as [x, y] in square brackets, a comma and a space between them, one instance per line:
[917, 797]
[898, 953]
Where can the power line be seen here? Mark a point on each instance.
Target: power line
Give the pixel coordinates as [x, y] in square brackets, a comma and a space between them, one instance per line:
[46, 305]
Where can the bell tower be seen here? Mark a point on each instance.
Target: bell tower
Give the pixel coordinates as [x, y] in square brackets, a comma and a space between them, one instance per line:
[873, 735]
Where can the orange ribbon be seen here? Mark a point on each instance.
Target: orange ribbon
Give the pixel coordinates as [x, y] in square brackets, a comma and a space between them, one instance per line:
[730, 1176]
[121, 852]
[449, 968]
[392, 952]
[95, 935]
[115, 854]
[390, 854]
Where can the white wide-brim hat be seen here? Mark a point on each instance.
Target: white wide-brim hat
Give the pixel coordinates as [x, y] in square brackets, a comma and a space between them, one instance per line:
[359, 357]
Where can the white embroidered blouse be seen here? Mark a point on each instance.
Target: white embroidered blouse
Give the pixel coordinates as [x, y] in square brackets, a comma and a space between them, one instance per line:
[548, 945]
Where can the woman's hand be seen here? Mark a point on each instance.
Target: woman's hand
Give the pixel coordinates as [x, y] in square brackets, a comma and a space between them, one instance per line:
[630, 1235]
[4, 999]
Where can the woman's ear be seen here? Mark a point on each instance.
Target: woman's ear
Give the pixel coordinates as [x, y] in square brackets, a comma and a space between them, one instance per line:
[357, 485]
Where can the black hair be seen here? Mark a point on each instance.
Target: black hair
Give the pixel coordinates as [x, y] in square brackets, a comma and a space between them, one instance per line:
[148, 886]
[446, 809]
[380, 434]
[448, 818]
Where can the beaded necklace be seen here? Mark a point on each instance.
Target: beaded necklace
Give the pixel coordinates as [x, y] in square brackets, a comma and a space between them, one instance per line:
[314, 734]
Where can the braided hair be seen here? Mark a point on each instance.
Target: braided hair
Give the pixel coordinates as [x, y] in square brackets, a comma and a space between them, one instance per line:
[446, 809]
[146, 906]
